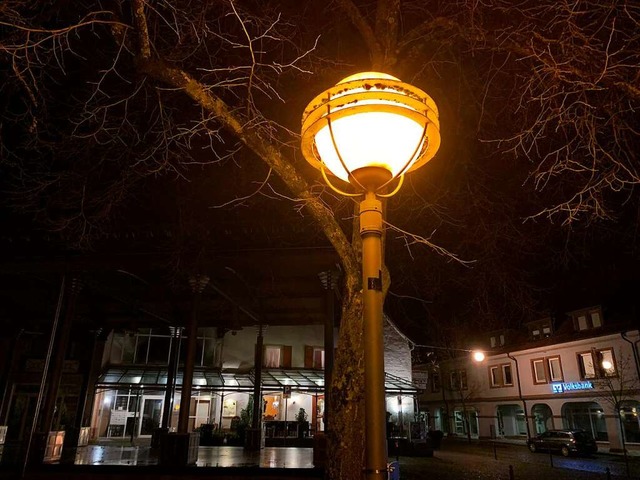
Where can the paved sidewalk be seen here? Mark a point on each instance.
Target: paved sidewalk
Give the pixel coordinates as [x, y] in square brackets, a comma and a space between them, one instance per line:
[633, 450]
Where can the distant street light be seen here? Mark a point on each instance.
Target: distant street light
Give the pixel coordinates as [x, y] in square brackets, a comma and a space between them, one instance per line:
[478, 356]
[369, 130]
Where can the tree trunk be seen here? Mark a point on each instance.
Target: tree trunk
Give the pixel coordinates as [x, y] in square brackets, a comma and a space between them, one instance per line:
[346, 431]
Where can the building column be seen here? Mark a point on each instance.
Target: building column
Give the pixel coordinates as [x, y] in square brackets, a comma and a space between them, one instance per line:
[87, 398]
[172, 370]
[614, 432]
[253, 439]
[487, 421]
[13, 348]
[197, 283]
[329, 280]
[54, 374]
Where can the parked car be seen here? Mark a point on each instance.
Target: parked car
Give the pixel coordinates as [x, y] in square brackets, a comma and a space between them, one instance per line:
[567, 442]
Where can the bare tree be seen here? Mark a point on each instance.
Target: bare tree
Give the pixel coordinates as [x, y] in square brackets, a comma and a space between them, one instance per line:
[618, 386]
[106, 95]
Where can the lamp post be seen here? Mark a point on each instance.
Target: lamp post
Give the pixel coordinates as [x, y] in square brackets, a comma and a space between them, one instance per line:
[369, 130]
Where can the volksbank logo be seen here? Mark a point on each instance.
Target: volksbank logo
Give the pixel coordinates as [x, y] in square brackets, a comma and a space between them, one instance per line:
[570, 386]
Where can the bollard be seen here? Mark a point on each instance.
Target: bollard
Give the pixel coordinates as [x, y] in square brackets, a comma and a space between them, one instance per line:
[510, 472]
[495, 452]
[551, 458]
[608, 472]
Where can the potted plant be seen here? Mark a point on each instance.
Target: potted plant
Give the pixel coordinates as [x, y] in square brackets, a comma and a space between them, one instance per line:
[303, 423]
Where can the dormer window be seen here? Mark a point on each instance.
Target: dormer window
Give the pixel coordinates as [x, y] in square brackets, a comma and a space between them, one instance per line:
[587, 319]
[540, 329]
[497, 340]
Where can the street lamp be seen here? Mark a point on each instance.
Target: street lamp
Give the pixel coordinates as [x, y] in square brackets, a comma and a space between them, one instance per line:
[369, 130]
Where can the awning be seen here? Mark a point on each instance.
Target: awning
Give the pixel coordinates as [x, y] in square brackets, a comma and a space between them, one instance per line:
[229, 381]
[156, 377]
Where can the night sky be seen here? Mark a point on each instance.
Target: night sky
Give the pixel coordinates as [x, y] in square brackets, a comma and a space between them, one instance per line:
[106, 168]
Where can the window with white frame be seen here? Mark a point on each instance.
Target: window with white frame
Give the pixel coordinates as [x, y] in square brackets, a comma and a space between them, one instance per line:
[539, 372]
[587, 319]
[540, 329]
[435, 382]
[458, 380]
[597, 363]
[607, 362]
[463, 379]
[500, 375]
[555, 369]
[494, 376]
[587, 368]
[497, 340]
[546, 370]
[506, 375]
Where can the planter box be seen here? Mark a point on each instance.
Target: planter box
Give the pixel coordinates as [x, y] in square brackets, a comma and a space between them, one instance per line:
[319, 450]
[179, 449]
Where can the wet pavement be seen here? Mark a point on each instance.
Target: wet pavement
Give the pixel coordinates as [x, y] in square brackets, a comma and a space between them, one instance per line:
[270, 457]
[459, 460]
[455, 460]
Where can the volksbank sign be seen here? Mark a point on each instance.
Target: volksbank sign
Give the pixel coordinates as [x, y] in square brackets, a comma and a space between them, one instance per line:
[570, 386]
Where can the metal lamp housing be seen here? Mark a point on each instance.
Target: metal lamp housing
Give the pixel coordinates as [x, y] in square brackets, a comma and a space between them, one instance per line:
[370, 122]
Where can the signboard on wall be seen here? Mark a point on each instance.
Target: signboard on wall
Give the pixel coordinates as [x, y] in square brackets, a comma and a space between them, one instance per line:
[420, 379]
[118, 417]
[571, 386]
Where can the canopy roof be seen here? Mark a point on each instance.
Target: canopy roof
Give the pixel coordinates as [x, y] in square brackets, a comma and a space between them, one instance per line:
[234, 381]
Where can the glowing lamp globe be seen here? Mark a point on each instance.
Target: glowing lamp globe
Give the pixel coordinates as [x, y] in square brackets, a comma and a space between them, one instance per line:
[478, 356]
[369, 129]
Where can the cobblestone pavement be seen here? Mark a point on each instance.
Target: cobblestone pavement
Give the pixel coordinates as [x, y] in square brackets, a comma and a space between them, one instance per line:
[461, 461]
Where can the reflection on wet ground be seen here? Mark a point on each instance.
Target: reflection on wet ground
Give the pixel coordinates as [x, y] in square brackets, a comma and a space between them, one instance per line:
[269, 457]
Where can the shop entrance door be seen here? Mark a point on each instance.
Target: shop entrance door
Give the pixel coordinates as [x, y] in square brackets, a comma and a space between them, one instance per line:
[151, 415]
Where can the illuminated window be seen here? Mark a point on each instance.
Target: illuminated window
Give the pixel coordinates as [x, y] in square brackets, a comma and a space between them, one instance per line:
[272, 356]
[587, 319]
[313, 357]
[597, 363]
[277, 356]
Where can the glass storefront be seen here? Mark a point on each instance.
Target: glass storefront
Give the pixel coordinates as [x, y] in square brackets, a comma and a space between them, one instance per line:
[511, 420]
[542, 417]
[588, 416]
[466, 422]
[631, 421]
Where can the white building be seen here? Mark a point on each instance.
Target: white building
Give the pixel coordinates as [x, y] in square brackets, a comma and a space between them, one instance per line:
[584, 376]
[130, 393]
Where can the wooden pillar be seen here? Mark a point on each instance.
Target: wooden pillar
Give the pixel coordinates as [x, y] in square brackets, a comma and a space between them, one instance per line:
[329, 282]
[54, 374]
[197, 283]
[88, 392]
[172, 370]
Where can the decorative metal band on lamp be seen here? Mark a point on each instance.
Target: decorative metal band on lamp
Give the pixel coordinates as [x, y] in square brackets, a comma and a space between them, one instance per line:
[370, 129]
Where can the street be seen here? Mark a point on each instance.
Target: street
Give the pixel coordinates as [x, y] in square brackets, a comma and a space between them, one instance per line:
[459, 460]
